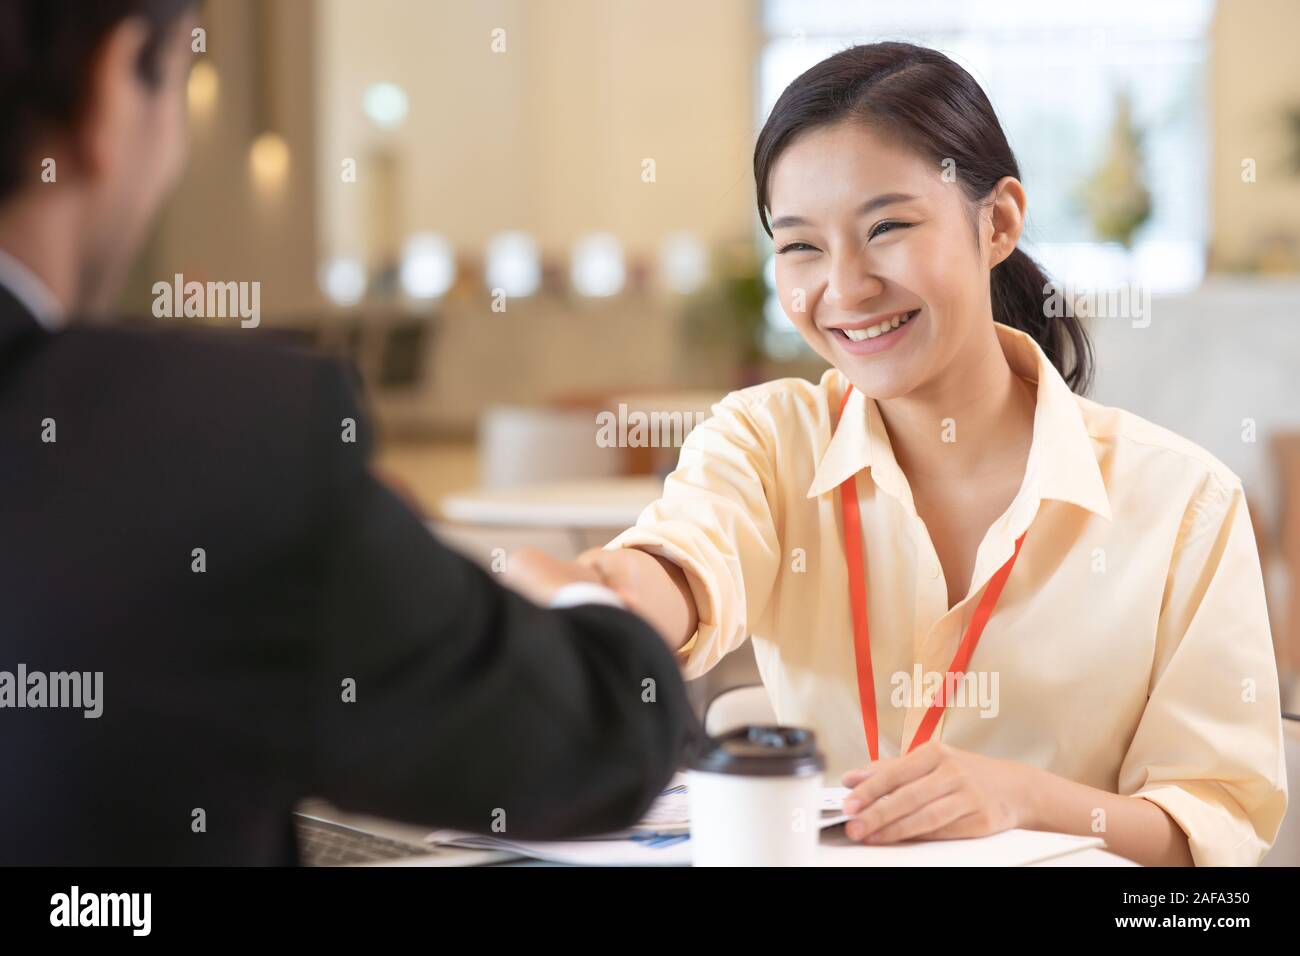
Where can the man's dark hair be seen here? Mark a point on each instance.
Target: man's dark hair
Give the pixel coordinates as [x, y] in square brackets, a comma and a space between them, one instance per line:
[45, 51]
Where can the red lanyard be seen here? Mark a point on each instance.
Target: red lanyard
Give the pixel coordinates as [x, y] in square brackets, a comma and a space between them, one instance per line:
[862, 638]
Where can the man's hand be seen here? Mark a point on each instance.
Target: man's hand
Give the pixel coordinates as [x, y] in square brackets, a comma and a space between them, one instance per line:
[537, 575]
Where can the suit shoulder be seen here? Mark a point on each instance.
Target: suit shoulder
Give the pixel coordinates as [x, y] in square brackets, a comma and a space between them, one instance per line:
[243, 373]
[252, 352]
[202, 407]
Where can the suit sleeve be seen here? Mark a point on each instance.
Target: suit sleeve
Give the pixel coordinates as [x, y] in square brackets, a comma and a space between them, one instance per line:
[446, 699]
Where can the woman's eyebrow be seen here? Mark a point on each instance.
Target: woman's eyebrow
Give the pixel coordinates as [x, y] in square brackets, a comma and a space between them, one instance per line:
[884, 199]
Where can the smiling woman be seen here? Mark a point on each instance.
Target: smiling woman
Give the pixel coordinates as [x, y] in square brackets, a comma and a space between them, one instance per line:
[945, 503]
[938, 158]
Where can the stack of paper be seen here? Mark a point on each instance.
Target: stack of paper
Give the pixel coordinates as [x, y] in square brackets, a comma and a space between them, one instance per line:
[671, 813]
[662, 839]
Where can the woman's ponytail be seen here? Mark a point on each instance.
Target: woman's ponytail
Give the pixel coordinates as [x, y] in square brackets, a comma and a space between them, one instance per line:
[1025, 299]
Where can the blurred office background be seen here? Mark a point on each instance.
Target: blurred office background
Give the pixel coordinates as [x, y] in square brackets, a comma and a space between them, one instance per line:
[516, 214]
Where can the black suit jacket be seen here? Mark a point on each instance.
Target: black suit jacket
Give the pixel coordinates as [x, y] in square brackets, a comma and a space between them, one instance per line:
[223, 689]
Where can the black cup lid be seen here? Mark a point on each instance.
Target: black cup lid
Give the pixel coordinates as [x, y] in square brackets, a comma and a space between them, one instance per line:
[762, 751]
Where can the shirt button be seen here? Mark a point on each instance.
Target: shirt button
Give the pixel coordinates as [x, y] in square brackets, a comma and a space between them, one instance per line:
[934, 570]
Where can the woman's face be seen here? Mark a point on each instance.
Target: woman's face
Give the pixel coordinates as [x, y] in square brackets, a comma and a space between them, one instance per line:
[867, 232]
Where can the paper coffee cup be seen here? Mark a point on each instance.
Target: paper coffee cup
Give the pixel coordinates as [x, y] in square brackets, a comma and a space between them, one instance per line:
[755, 798]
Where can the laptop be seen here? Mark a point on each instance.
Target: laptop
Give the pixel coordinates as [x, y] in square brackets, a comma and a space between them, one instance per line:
[329, 837]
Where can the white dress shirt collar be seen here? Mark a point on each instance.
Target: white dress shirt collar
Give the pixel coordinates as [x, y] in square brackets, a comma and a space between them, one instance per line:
[28, 289]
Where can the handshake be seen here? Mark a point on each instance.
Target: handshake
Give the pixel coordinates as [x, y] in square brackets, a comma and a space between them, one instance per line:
[654, 588]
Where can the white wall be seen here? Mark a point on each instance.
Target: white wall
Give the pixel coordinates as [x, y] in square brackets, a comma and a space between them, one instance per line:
[1208, 361]
[217, 226]
[548, 136]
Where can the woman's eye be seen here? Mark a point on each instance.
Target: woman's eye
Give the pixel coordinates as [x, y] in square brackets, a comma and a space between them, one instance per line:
[795, 247]
[887, 226]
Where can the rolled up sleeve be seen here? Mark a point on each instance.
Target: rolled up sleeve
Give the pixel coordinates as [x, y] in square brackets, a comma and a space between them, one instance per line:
[1208, 748]
[715, 521]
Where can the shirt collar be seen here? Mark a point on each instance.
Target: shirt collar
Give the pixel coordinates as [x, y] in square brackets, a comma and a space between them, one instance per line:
[33, 294]
[1062, 464]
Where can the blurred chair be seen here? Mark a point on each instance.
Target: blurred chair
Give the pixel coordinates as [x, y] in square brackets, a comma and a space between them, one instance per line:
[737, 707]
[1286, 848]
[524, 446]
[672, 415]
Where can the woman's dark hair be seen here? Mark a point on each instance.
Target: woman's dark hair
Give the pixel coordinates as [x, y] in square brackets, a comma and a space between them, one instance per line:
[46, 48]
[934, 106]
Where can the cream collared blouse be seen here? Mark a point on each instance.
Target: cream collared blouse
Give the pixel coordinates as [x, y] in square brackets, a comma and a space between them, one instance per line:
[1130, 649]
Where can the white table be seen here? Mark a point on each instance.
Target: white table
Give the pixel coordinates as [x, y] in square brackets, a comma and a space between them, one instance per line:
[410, 833]
[595, 503]
[1089, 857]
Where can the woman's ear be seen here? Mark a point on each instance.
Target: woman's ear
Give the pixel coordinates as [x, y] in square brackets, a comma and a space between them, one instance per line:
[1007, 214]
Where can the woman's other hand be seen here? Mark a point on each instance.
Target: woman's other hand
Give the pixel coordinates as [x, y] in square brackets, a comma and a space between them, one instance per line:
[936, 792]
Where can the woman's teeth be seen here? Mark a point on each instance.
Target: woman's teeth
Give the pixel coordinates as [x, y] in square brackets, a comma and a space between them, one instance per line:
[873, 331]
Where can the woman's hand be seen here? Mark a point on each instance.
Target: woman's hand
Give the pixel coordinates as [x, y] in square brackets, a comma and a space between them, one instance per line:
[651, 587]
[937, 792]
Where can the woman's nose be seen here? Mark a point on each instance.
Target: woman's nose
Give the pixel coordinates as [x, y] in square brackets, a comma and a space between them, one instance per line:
[851, 281]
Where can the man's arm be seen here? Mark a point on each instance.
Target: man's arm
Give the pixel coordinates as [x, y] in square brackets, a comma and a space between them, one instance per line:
[474, 708]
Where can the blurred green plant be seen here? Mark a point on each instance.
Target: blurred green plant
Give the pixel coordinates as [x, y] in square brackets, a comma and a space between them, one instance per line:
[1115, 197]
[727, 316]
[1291, 116]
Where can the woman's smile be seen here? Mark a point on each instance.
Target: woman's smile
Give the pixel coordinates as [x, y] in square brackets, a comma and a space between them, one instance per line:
[874, 335]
